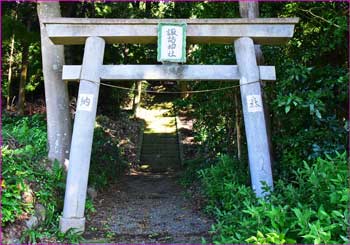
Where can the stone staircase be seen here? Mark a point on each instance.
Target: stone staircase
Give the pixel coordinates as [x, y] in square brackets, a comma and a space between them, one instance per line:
[160, 148]
[160, 152]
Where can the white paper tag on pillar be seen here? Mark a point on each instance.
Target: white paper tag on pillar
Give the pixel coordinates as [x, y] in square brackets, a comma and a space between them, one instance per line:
[85, 102]
[254, 103]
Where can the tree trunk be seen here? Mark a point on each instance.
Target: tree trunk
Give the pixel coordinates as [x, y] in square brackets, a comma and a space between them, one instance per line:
[238, 122]
[23, 79]
[184, 89]
[148, 9]
[56, 91]
[250, 10]
[9, 74]
[137, 98]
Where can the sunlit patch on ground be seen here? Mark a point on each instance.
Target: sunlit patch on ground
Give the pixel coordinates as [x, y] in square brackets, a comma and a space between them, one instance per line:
[155, 120]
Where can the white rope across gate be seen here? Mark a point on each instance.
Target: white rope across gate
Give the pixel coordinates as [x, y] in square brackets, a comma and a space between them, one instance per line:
[171, 92]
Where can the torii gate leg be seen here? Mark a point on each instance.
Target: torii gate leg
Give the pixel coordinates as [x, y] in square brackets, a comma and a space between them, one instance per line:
[254, 118]
[79, 159]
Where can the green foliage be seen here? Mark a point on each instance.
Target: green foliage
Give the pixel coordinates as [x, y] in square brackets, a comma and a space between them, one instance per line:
[311, 209]
[214, 125]
[24, 146]
[269, 238]
[20, 24]
[71, 236]
[33, 236]
[89, 206]
[192, 167]
[26, 170]
[26, 131]
[308, 102]
[106, 163]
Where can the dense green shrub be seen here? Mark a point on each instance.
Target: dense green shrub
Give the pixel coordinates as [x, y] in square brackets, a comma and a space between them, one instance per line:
[106, 163]
[311, 209]
[25, 170]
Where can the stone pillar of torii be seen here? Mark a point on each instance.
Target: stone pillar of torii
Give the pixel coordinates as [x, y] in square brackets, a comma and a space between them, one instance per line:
[94, 33]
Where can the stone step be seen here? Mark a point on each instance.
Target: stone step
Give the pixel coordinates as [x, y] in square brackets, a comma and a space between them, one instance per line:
[160, 142]
[151, 160]
[150, 138]
[160, 151]
[158, 155]
[160, 135]
[159, 167]
[160, 147]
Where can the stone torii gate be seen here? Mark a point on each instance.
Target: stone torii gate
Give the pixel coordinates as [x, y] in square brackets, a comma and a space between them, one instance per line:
[94, 33]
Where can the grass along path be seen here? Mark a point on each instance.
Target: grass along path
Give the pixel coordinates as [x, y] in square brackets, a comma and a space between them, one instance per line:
[148, 205]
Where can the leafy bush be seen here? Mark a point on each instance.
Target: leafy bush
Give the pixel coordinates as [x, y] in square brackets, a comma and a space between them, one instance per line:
[25, 168]
[106, 163]
[27, 173]
[312, 209]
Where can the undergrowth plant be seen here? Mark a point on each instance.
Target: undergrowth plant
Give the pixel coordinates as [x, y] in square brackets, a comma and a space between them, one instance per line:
[311, 209]
[27, 172]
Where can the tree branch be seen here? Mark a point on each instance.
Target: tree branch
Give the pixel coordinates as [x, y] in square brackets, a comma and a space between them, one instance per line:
[320, 17]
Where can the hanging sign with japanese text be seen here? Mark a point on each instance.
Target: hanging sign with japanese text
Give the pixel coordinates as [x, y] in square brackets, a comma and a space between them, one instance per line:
[172, 42]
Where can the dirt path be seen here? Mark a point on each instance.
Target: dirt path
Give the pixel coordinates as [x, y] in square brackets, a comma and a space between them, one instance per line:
[148, 205]
[149, 208]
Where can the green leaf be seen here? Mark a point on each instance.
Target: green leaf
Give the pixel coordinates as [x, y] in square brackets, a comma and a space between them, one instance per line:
[287, 109]
[318, 114]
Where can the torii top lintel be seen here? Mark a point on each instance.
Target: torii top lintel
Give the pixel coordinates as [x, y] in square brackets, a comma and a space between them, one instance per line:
[72, 31]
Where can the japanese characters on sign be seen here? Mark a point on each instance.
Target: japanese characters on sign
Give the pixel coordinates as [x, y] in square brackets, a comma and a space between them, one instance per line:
[172, 42]
[254, 103]
[85, 102]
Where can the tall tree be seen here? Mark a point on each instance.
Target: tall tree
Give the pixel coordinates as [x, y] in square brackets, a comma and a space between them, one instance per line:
[56, 91]
[24, 70]
[23, 79]
[137, 98]
[9, 73]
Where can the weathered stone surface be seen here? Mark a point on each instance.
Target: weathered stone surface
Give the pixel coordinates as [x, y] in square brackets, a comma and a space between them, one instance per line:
[28, 196]
[80, 154]
[32, 222]
[40, 212]
[224, 31]
[12, 241]
[254, 117]
[171, 72]
[92, 193]
[56, 92]
[78, 224]
[213, 21]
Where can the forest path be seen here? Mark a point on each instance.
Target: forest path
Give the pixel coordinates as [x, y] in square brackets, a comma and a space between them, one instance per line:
[148, 205]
